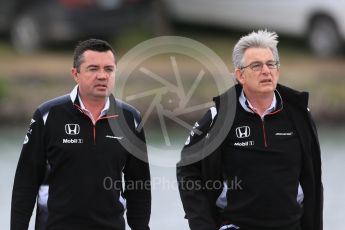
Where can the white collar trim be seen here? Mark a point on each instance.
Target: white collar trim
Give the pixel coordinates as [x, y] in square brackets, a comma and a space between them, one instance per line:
[105, 109]
[249, 108]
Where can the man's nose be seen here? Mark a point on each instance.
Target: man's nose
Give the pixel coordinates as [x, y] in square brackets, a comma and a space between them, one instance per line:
[265, 69]
[103, 74]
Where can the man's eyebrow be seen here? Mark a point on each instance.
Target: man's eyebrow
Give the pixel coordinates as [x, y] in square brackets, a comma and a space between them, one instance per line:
[92, 66]
[109, 66]
[97, 66]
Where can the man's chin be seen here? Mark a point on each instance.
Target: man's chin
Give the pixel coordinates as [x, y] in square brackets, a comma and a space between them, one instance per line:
[101, 95]
[102, 92]
[267, 89]
[268, 86]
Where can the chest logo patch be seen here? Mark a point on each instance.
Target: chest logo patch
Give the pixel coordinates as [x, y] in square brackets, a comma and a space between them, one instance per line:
[114, 137]
[72, 129]
[284, 134]
[242, 131]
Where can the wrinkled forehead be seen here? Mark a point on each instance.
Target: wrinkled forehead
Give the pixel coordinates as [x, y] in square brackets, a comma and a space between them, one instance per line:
[98, 58]
[258, 54]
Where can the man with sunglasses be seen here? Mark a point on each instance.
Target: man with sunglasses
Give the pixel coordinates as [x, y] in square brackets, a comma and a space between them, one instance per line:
[271, 152]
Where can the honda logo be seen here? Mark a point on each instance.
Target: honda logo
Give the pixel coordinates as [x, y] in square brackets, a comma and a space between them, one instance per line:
[72, 129]
[243, 132]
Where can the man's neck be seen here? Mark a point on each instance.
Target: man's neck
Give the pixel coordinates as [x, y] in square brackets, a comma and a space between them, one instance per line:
[261, 102]
[94, 105]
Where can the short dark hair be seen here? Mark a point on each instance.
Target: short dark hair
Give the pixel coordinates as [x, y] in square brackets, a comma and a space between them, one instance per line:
[90, 44]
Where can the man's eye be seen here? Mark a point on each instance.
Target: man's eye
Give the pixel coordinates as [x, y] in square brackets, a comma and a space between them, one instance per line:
[256, 65]
[110, 70]
[93, 69]
[271, 65]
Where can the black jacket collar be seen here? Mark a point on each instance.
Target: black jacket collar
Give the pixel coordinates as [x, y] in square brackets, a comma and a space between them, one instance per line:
[288, 95]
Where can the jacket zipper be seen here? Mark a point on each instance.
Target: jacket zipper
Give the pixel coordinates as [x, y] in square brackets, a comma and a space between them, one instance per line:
[94, 133]
[94, 125]
[263, 125]
[264, 132]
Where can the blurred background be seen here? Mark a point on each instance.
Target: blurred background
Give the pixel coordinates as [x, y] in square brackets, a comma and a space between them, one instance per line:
[37, 38]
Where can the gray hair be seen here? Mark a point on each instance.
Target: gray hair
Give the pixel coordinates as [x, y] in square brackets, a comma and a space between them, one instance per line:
[259, 39]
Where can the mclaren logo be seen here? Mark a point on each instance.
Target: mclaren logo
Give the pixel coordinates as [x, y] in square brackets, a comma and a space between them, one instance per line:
[243, 132]
[72, 129]
[114, 137]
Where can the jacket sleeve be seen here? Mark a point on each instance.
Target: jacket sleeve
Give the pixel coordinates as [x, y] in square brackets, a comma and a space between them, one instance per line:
[310, 178]
[316, 153]
[191, 184]
[29, 174]
[138, 188]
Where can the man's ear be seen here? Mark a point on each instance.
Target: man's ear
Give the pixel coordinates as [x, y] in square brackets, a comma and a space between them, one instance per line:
[239, 76]
[74, 73]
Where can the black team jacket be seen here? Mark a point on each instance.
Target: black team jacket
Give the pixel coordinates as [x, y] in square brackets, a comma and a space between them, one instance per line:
[75, 169]
[199, 202]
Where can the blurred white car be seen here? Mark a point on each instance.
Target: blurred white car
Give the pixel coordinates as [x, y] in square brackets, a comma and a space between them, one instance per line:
[321, 22]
